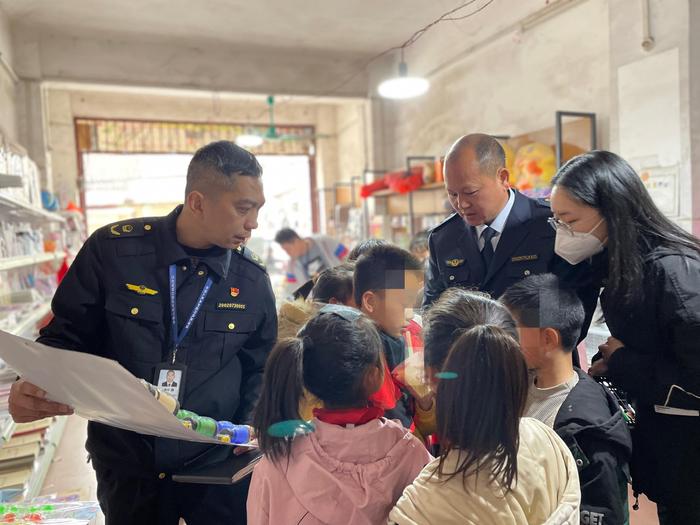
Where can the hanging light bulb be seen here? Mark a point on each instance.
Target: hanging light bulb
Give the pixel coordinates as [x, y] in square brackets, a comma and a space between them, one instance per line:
[248, 140]
[403, 86]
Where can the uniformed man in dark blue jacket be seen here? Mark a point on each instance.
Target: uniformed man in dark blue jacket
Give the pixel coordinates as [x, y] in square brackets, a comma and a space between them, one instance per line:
[116, 301]
[497, 236]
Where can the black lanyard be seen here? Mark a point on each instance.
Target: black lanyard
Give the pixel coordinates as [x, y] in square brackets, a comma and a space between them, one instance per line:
[178, 338]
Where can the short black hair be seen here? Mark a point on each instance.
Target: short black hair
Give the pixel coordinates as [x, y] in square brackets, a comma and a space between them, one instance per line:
[456, 311]
[540, 301]
[334, 283]
[217, 163]
[286, 235]
[382, 268]
[363, 247]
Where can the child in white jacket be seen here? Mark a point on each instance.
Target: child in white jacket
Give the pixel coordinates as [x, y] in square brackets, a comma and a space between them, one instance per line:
[495, 467]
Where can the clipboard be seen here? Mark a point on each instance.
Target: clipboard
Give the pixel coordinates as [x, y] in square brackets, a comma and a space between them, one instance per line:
[229, 470]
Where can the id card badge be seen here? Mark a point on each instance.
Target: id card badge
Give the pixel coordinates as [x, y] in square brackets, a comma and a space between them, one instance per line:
[170, 379]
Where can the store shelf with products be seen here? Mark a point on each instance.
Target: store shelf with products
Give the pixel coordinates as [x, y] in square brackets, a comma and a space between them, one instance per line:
[26, 458]
[13, 208]
[33, 245]
[45, 458]
[10, 181]
[404, 214]
[28, 324]
[12, 263]
[532, 159]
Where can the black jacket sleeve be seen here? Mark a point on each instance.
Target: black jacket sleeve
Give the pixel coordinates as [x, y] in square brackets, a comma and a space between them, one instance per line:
[676, 297]
[78, 304]
[433, 285]
[254, 354]
[604, 480]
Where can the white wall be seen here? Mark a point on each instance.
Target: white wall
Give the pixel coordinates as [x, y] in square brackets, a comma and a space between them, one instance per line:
[511, 85]
[668, 136]
[8, 89]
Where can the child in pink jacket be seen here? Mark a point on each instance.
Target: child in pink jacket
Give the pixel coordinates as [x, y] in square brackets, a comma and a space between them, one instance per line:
[348, 465]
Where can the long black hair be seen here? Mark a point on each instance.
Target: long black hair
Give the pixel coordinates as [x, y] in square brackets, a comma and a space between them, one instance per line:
[330, 357]
[479, 411]
[636, 226]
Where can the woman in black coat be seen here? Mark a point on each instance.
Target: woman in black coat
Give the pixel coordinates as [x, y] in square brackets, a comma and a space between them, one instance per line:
[649, 269]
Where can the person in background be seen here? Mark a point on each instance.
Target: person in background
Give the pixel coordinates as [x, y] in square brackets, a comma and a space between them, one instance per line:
[650, 269]
[419, 246]
[497, 236]
[363, 247]
[495, 466]
[115, 303]
[386, 282]
[332, 286]
[354, 465]
[455, 312]
[585, 415]
[309, 256]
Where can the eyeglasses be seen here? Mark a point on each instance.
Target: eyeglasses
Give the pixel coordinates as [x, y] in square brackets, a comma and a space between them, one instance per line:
[557, 224]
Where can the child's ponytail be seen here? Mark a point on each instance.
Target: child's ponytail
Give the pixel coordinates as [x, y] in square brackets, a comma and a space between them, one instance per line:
[282, 390]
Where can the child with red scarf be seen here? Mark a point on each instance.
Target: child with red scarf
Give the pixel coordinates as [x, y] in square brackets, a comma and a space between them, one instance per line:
[349, 464]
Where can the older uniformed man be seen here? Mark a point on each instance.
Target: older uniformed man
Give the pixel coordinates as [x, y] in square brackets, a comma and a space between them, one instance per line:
[116, 302]
[497, 236]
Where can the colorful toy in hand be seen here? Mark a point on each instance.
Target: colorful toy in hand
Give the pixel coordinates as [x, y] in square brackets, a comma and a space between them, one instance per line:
[224, 431]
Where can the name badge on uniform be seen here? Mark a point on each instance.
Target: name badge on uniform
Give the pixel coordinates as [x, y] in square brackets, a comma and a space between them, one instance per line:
[170, 379]
[454, 263]
[521, 258]
[230, 306]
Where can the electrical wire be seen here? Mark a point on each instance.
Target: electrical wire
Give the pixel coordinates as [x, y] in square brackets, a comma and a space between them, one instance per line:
[410, 41]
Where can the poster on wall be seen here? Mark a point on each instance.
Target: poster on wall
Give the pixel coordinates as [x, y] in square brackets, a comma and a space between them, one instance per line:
[662, 185]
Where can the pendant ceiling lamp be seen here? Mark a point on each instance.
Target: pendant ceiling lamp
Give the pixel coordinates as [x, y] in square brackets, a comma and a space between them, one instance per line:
[248, 140]
[403, 87]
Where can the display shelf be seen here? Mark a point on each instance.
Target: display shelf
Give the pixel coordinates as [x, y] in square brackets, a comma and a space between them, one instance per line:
[45, 458]
[34, 317]
[432, 186]
[10, 181]
[12, 263]
[14, 208]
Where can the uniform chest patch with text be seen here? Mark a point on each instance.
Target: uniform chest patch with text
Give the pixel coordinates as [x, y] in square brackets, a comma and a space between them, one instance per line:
[521, 258]
[230, 306]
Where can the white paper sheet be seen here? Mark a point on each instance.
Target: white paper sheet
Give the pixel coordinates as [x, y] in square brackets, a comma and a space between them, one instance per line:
[98, 389]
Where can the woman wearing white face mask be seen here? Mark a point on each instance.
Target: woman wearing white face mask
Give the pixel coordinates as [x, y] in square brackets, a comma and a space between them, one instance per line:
[650, 271]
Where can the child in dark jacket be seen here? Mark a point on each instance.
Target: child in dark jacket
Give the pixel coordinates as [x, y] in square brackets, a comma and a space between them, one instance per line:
[584, 414]
[386, 283]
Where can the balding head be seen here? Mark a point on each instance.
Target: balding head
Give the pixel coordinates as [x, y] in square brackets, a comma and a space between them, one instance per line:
[483, 149]
[476, 179]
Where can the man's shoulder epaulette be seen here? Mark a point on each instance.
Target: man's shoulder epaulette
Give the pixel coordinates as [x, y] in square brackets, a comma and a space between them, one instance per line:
[129, 228]
[251, 257]
[452, 219]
